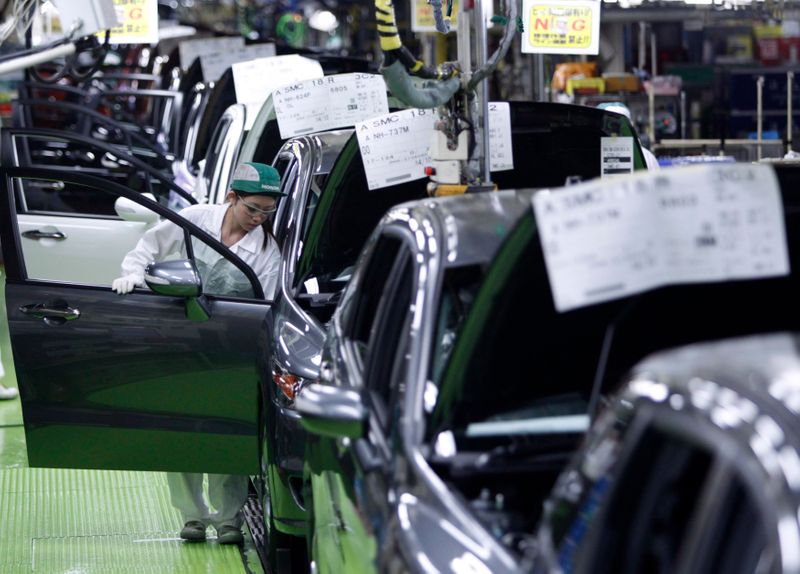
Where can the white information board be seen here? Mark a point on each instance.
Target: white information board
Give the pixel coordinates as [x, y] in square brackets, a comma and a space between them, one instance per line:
[215, 64]
[501, 157]
[330, 102]
[255, 80]
[607, 239]
[616, 155]
[394, 146]
[188, 50]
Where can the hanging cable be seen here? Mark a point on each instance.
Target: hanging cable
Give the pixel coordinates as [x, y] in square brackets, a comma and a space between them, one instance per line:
[399, 64]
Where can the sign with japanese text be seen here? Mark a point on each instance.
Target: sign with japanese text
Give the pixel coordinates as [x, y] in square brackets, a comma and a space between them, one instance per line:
[331, 102]
[390, 146]
[422, 16]
[562, 27]
[607, 239]
[138, 22]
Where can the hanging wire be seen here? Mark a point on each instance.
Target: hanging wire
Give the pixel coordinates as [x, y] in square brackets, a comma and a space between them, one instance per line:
[20, 20]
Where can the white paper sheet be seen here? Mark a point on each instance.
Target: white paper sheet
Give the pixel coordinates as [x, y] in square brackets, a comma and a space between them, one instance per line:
[607, 239]
[394, 146]
[255, 80]
[191, 49]
[501, 155]
[616, 156]
[331, 102]
[215, 64]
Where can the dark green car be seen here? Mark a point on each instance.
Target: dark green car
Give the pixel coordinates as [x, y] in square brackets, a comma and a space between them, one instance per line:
[455, 392]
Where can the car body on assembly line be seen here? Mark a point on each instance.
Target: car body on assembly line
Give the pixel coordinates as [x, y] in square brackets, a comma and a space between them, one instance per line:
[390, 416]
[322, 225]
[436, 433]
[692, 468]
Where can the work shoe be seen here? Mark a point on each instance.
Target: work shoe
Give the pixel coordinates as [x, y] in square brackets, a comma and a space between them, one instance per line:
[194, 531]
[8, 392]
[229, 535]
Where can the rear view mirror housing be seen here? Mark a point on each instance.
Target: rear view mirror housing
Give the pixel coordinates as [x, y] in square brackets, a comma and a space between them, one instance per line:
[131, 211]
[179, 278]
[331, 411]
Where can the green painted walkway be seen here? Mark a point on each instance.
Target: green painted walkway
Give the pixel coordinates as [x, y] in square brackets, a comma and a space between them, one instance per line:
[92, 522]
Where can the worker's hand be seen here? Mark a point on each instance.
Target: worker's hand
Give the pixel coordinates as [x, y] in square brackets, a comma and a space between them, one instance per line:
[125, 284]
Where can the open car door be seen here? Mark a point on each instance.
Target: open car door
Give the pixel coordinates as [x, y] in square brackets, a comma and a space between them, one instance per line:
[129, 382]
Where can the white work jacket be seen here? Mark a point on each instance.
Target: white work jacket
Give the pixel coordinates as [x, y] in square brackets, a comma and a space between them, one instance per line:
[219, 276]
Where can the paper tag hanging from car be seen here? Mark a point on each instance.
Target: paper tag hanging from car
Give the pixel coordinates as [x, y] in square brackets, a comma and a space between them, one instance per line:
[616, 155]
[331, 102]
[604, 240]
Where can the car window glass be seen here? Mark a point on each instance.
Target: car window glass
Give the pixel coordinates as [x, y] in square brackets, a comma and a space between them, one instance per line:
[219, 276]
[213, 158]
[90, 250]
[458, 292]
[386, 347]
[86, 250]
[649, 508]
[358, 318]
[346, 214]
[543, 374]
[37, 151]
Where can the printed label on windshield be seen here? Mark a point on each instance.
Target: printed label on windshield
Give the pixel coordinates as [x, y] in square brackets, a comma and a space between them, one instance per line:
[394, 146]
[331, 102]
[255, 80]
[609, 239]
[501, 157]
[616, 156]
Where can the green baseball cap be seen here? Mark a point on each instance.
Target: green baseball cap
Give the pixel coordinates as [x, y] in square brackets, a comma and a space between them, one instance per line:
[252, 177]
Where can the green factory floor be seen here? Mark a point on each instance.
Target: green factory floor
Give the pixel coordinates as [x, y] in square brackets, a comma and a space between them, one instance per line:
[58, 521]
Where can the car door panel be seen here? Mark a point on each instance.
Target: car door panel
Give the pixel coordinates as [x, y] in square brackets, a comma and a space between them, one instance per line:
[55, 247]
[129, 382]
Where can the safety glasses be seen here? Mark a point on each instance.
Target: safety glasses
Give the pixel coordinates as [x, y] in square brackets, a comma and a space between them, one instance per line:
[253, 210]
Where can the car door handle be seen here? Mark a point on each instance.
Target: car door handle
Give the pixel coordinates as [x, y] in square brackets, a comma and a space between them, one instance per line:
[40, 234]
[53, 186]
[55, 313]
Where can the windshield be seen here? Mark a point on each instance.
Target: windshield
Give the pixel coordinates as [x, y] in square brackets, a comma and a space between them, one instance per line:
[513, 370]
[343, 214]
[553, 142]
[516, 358]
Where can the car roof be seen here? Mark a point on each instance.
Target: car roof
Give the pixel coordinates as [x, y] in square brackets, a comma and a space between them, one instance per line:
[765, 368]
[328, 146]
[474, 224]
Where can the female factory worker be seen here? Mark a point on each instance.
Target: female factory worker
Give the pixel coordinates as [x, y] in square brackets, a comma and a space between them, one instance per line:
[243, 223]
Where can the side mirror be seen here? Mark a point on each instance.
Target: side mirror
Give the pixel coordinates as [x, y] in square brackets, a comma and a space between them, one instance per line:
[132, 211]
[179, 278]
[331, 411]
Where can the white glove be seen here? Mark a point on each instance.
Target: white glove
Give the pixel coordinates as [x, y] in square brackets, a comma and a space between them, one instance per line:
[126, 283]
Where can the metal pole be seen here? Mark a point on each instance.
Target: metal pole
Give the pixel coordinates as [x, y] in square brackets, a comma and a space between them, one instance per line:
[651, 112]
[482, 93]
[541, 92]
[683, 114]
[642, 41]
[759, 114]
[653, 55]
[789, 118]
